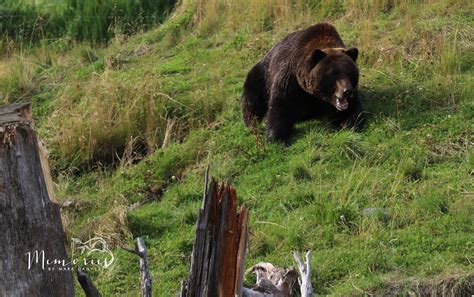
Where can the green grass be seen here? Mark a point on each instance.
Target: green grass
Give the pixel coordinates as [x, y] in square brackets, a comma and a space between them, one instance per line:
[27, 22]
[381, 209]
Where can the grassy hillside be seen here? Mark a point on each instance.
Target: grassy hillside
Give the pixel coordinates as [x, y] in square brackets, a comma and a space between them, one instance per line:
[26, 22]
[389, 209]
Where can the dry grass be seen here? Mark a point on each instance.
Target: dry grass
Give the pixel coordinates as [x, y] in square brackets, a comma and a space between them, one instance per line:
[17, 78]
[111, 226]
[107, 110]
[255, 16]
[107, 116]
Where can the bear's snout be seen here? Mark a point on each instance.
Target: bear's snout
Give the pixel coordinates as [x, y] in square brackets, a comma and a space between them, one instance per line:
[344, 89]
[341, 104]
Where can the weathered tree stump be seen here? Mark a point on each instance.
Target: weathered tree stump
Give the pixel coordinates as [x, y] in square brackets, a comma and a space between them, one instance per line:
[33, 259]
[217, 260]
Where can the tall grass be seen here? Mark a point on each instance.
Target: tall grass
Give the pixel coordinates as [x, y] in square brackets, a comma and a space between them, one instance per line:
[22, 24]
[89, 20]
[96, 21]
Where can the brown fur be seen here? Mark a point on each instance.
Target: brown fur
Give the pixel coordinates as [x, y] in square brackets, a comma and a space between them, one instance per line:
[308, 74]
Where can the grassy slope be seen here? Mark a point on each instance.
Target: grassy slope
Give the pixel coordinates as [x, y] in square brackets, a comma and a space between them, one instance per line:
[412, 162]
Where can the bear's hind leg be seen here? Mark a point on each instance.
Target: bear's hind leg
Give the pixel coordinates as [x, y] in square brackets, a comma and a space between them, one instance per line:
[254, 99]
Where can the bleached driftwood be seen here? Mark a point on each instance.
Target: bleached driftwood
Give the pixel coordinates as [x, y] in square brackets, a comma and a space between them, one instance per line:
[145, 276]
[89, 288]
[271, 281]
[278, 282]
[305, 274]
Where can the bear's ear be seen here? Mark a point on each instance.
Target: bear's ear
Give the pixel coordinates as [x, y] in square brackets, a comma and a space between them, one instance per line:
[353, 52]
[315, 57]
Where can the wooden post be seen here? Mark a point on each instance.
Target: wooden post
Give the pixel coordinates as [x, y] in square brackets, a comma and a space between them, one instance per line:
[217, 260]
[33, 259]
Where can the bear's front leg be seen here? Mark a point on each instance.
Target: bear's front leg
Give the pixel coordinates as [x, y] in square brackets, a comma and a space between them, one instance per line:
[353, 118]
[356, 119]
[279, 125]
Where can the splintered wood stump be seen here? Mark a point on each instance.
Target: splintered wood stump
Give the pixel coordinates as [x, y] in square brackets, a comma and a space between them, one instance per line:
[217, 260]
[33, 259]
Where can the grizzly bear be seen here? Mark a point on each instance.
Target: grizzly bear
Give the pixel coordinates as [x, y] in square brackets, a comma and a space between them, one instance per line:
[309, 74]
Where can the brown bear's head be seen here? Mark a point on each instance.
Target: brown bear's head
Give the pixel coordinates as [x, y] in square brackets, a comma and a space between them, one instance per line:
[333, 75]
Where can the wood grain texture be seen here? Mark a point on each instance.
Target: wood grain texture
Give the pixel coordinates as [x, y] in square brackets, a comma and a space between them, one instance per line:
[218, 255]
[29, 221]
[16, 113]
